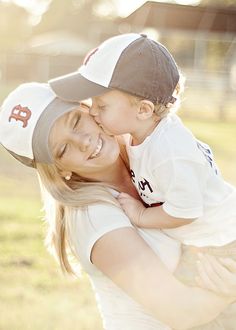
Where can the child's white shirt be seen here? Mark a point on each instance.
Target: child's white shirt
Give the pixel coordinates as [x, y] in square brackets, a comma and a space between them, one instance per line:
[173, 167]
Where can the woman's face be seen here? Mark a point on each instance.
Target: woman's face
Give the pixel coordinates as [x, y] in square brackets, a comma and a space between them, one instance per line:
[79, 145]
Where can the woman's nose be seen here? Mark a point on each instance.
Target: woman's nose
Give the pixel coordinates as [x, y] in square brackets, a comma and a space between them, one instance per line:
[83, 141]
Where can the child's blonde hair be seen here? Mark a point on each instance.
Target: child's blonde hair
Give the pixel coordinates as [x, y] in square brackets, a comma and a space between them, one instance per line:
[160, 109]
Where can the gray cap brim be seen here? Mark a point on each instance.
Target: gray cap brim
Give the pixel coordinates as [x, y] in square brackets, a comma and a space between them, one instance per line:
[74, 87]
[40, 141]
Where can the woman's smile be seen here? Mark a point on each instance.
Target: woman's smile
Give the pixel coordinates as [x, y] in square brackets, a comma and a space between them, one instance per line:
[98, 148]
[86, 149]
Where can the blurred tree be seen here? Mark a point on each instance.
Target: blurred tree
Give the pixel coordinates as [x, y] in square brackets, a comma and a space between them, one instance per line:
[220, 52]
[78, 16]
[14, 25]
[220, 3]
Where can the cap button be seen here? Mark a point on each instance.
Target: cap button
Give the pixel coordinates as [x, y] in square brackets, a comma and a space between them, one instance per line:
[143, 35]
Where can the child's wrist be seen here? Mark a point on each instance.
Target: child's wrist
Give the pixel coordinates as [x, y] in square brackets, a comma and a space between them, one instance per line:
[140, 217]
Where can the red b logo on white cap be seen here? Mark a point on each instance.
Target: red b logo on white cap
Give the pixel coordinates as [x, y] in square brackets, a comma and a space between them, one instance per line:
[20, 113]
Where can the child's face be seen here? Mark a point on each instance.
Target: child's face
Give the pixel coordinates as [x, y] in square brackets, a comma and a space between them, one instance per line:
[115, 112]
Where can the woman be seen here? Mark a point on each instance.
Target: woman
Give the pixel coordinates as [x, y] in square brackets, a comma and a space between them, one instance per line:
[81, 168]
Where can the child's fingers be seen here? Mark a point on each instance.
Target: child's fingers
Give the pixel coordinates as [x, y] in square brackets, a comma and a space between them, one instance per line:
[126, 204]
[124, 195]
[129, 200]
[123, 202]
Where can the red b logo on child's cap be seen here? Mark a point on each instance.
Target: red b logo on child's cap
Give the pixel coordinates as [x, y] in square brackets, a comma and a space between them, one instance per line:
[20, 113]
[87, 57]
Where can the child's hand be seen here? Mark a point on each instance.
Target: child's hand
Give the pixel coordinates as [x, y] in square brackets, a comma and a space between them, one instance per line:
[133, 208]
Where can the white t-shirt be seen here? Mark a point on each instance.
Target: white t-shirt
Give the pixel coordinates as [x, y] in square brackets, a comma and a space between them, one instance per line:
[172, 167]
[118, 310]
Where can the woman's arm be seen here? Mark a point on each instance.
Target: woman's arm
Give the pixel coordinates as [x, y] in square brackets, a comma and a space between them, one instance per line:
[130, 263]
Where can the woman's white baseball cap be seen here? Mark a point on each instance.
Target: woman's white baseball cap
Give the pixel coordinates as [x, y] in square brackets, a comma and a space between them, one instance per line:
[131, 62]
[26, 116]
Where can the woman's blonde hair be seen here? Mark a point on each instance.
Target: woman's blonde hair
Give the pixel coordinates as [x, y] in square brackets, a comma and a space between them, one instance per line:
[63, 200]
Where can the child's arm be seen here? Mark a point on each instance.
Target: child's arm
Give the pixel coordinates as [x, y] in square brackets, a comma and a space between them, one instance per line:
[151, 217]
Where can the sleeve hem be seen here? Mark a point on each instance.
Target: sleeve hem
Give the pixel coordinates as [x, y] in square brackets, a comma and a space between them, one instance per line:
[101, 233]
[182, 213]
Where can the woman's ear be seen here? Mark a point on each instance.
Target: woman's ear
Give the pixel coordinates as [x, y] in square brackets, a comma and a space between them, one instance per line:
[146, 110]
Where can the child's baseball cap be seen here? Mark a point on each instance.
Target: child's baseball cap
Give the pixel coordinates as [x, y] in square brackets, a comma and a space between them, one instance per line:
[26, 116]
[132, 63]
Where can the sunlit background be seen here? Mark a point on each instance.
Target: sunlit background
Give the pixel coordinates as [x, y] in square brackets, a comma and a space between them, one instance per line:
[41, 39]
[118, 7]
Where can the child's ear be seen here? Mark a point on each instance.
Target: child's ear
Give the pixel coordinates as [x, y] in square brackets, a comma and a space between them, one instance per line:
[146, 110]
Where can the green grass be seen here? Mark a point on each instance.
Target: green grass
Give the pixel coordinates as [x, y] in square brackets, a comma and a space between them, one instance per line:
[34, 294]
[221, 136]
[201, 102]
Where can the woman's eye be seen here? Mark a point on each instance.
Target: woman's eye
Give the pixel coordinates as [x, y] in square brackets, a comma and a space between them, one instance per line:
[62, 151]
[101, 107]
[76, 122]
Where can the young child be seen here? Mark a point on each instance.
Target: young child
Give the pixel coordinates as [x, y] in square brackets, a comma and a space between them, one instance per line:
[135, 83]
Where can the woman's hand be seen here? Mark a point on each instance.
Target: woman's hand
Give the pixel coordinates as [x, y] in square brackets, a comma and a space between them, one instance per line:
[132, 207]
[217, 274]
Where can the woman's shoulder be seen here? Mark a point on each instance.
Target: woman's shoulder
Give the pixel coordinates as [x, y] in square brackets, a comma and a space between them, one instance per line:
[106, 214]
[96, 219]
[90, 224]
